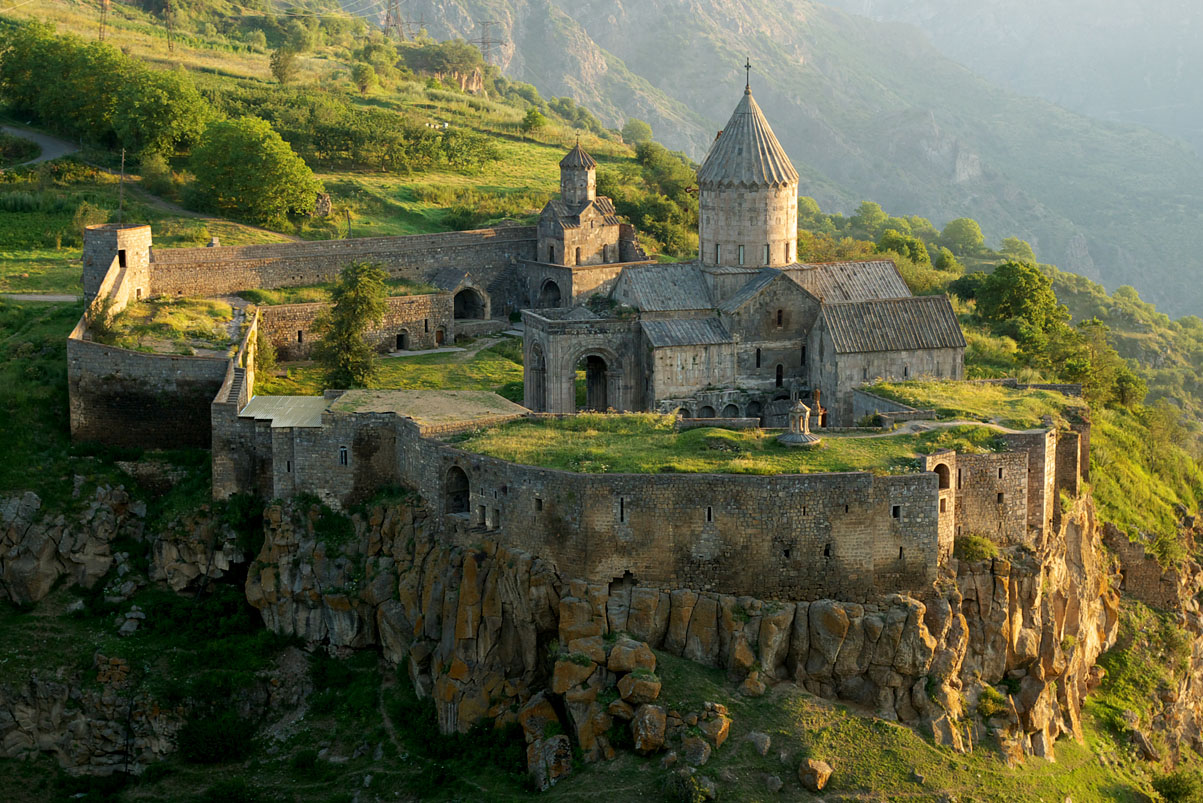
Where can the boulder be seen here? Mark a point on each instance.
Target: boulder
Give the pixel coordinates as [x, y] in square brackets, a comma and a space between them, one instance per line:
[761, 742]
[592, 646]
[536, 716]
[549, 760]
[649, 728]
[716, 729]
[568, 674]
[702, 638]
[814, 774]
[695, 750]
[649, 614]
[628, 655]
[638, 689]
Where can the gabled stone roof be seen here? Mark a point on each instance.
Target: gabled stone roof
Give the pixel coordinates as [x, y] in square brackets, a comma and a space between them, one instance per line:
[763, 278]
[898, 324]
[451, 278]
[663, 288]
[578, 158]
[570, 216]
[689, 332]
[837, 282]
[747, 153]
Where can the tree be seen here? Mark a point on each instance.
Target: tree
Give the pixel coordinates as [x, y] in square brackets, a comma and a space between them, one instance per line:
[533, 121]
[636, 131]
[160, 113]
[1018, 297]
[1017, 249]
[364, 76]
[947, 262]
[245, 170]
[963, 236]
[284, 64]
[343, 352]
[906, 245]
[968, 286]
[869, 220]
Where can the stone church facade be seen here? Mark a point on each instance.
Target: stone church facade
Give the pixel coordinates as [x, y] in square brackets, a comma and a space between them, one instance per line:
[743, 329]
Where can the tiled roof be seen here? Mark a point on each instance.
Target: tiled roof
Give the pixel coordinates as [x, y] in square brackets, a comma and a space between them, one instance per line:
[836, 282]
[578, 158]
[899, 324]
[570, 216]
[750, 290]
[662, 288]
[691, 332]
[747, 153]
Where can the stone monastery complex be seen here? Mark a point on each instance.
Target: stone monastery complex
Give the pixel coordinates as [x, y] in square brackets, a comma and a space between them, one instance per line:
[741, 334]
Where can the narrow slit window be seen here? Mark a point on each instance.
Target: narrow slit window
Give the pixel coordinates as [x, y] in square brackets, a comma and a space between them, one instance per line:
[896, 511]
[121, 258]
[709, 514]
[288, 466]
[1000, 498]
[780, 376]
[780, 318]
[622, 509]
[767, 260]
[344, 456]
[804, 354]
[741, 255]
[300, 336]
[960, 479]
[757, 358]
[538, 504]
[426, 324]
[899, 553]
[943, 506]
[1000, 476]
[827, 550]
[845, 508]
[718, 253]
[906, 371]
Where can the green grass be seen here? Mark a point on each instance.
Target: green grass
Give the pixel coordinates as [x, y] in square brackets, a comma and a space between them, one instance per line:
[644, 443]
[178, 326]
[321, 293]
[494, 368]
[15, 150]
[1016, 409]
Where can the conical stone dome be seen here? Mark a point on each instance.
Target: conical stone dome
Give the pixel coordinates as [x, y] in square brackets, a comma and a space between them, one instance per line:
[747, 153]
[747, 195]
[577, 158]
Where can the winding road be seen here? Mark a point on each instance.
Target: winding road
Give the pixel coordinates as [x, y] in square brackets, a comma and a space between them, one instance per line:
[52, 147]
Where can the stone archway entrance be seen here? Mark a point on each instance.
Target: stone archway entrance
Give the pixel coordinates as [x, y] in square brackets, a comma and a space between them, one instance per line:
[730, 411]
[595, 393]
[549, 295]
[469, 304]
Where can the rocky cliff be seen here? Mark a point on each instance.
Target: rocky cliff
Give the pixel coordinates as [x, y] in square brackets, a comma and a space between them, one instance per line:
[480, 626]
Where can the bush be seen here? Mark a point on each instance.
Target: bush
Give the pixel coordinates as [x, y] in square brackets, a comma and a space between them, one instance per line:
[973, 548]
[1180, 786]
[215, 739]
[990, 703]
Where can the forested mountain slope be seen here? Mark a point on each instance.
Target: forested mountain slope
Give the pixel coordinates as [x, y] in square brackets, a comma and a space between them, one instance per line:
[868, 110]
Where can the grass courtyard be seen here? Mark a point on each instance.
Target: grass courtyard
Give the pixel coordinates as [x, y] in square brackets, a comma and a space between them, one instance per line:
[646, 443]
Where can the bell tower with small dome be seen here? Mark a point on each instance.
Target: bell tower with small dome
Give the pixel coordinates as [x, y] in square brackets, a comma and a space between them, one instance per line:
[578, 177]
[747, 195]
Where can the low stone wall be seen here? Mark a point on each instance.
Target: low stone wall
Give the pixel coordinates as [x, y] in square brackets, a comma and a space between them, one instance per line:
[218, 271]
[410, 323]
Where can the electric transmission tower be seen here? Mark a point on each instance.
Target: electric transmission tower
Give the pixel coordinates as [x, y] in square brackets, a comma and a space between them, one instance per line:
[486, 42]
[104, 19]
[393, 22]
[169, 24]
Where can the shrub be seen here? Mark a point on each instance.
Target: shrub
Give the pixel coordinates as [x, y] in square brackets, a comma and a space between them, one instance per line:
[990, 703]
[215, 739]
[1180, 786]
[973, 548]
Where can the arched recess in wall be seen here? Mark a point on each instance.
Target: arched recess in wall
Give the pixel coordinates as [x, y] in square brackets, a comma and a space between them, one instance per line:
[549, 295]
[403, 340]
[469, 304]
[592, 383]
[945, 476]
[780, 376]
[457, 492]
[683, 412]
[730, 411]
[754, 410]
[538, 379]
[706, 411]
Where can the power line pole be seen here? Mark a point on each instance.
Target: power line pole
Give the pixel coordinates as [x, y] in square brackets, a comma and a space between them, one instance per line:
[393, 22]
[169, 22]
[104, 18]
[121, 192]
[486, 43]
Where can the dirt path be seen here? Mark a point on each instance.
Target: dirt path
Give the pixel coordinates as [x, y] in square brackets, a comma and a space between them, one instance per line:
[52, 147]
[49, 298]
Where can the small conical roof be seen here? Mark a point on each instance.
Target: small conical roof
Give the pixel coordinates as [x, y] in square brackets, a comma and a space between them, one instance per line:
[578, 158]
[747, 152]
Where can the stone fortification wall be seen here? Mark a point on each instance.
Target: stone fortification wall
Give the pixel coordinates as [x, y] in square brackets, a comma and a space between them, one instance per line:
[409, 323]
[130, 398]
[216, 271]
[112, 245]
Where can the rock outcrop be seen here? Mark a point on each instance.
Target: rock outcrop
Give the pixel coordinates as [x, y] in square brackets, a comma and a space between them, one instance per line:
[473, 623]
[37, 550]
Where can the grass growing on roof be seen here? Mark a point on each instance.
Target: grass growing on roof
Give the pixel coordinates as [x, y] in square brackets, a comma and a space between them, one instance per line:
[174, 325]
[1008, 407]
[646, 443]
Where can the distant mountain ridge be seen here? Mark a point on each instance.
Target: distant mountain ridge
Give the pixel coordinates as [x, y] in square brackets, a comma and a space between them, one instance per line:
[869, 110]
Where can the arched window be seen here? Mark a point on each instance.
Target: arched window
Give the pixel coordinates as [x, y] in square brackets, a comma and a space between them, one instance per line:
[578, 255]
[780, 375]
[780, 318]
[457, 491]
[944, 474]
[551, 253]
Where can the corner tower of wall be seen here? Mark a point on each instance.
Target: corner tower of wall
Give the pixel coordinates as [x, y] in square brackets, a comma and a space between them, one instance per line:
[124, 247]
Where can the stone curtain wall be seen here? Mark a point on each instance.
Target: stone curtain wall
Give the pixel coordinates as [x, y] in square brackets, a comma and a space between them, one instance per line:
[130, 398]
[104, 248]
[216, 271]
[992, 496]
[419, 317]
